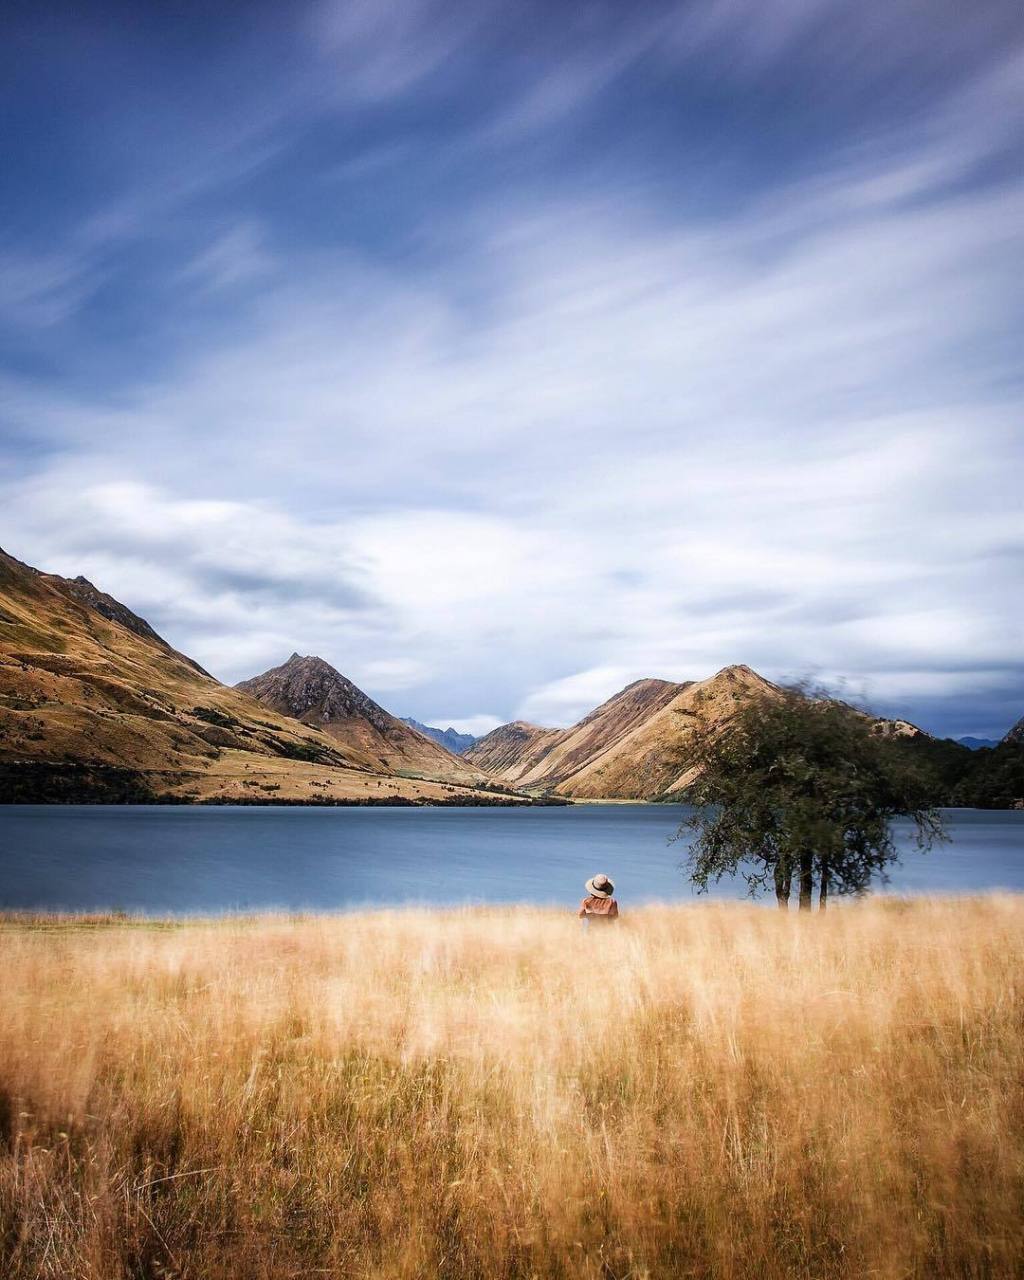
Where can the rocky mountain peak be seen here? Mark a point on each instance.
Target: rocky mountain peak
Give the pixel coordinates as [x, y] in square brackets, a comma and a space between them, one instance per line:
[310, 689]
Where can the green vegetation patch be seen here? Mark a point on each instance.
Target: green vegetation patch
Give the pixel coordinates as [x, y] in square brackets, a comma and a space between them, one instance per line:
[211, 715]
[46, 782]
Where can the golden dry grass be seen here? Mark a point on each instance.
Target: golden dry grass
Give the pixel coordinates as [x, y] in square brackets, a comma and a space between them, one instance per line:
[707, 1091]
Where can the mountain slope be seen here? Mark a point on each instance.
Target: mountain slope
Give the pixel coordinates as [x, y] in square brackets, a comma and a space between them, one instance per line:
[631, 747]
[457, 743]
[551, 758]
[513, 750]
[1016, 734]
[94, 704]
[313, 692]
[634, 746]
[649, 759]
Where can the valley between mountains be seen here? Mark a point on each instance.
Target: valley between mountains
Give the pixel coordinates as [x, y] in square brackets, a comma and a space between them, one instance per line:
[95, 706]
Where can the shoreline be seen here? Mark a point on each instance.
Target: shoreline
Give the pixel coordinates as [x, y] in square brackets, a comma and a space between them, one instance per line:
[36, 920]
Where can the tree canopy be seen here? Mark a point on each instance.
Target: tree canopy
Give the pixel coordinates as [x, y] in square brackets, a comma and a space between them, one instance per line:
[798, 786]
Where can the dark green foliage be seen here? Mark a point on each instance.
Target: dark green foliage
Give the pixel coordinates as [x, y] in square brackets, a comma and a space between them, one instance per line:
[310, 752]
[990, 778]
[797, 786]
[995, 779]
[43, 782]
[940, 762]
[212, 716]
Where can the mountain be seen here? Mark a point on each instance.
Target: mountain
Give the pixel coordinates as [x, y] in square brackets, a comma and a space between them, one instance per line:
[1016, 734]
[976, 744]
[113, 610]
[312, 691]
[457, 743]
[899, 729]
[95, 705]
[550, 759]
[513, 750]
[630, 747]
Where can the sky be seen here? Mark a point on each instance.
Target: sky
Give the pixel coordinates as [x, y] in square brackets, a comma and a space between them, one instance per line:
[504, 353]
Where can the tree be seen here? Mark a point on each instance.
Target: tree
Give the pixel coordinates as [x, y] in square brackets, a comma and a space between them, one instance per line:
[798, 786]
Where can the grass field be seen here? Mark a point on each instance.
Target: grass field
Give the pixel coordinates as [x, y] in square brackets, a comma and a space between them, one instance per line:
[706, 1091]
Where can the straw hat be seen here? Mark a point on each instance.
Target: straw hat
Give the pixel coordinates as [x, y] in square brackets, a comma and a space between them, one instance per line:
[600, 887]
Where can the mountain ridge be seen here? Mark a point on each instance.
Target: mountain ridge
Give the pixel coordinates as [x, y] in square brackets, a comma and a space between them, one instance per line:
[95, 705]
[312, 691]
[457, 743]
[633, 746]
[92, 696]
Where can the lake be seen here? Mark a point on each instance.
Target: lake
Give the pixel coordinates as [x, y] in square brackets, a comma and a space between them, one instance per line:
[185, 859]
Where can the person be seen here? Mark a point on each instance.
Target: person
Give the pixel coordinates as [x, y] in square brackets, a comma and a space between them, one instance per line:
[599, 907]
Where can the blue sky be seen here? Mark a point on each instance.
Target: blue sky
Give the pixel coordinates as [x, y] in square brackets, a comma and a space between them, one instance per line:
[502, 354]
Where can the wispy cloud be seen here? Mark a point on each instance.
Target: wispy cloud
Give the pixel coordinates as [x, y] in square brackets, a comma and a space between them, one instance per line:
[235, 256]
[40, 291]
[399, 368]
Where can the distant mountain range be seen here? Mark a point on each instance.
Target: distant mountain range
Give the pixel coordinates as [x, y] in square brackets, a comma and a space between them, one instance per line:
[457, 743]
[95, 705]
[976, 744]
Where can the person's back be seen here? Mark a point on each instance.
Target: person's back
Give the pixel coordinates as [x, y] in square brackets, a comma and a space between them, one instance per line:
[599, 906]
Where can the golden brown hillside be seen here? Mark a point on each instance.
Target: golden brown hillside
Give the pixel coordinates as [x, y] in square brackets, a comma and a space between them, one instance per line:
[311, 690]
[549, 758]
[632, 747]
[513, 750]
[94, 704]
[650, 759]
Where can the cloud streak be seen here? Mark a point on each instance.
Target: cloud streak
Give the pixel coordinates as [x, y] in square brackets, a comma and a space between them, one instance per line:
[499, 454]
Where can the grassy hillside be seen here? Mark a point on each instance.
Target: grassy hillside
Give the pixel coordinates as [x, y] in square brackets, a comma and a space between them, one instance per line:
[94, 706]
[310, 690]
[634, 746]
[708, 1091]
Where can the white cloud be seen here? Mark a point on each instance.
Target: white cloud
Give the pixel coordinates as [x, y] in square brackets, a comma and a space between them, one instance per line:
[562, 702]
[235, 256]
[42, 290]
[382, 51]
[571, 441]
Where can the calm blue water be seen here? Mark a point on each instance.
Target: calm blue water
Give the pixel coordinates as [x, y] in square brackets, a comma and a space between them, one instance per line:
[187, 859]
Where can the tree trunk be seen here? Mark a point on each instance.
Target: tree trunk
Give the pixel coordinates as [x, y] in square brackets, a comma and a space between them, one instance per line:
[823, 887]
[783, 883]
[806, 880]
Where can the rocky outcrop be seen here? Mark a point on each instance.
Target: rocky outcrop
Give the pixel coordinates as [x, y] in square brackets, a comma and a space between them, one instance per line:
[1016, 734]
